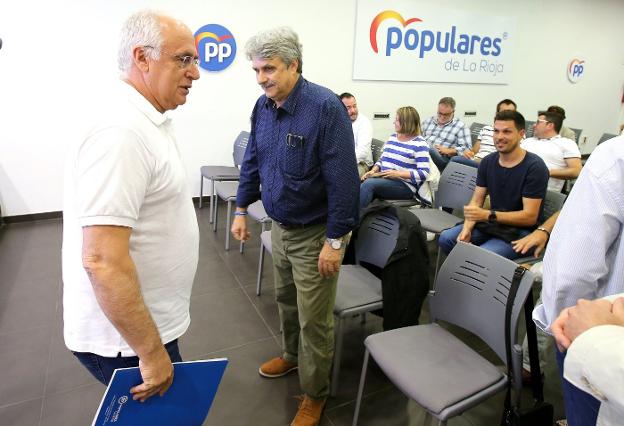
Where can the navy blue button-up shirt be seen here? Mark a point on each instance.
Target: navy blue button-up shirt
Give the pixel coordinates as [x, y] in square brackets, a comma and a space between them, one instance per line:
[303, 154]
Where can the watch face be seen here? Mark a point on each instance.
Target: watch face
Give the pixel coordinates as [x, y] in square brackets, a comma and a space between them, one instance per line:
[335, 244]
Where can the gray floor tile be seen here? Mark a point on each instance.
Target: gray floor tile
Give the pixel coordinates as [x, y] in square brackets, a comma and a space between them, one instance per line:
[266, 305]
[64, 371]
[219, 321]
[76, 407]
[21, 414]
[23, 375]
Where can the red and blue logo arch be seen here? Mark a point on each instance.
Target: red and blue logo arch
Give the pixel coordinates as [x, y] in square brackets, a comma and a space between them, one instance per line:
[216, 47]
[387, 14]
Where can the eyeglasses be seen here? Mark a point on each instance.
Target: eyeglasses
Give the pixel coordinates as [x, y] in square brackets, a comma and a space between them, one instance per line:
[448, 114]
[539, 120]
[183, 61]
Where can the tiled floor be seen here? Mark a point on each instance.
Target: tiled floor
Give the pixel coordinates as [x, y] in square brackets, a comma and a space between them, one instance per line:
[42, 383]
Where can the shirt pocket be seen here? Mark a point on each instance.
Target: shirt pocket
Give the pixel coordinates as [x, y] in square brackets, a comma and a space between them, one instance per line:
[293, 155]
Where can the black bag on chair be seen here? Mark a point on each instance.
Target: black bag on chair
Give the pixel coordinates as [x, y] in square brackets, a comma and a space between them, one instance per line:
[541, 413]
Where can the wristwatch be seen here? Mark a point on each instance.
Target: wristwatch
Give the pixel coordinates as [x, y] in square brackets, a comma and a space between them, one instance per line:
[335, 243]
[492, 216]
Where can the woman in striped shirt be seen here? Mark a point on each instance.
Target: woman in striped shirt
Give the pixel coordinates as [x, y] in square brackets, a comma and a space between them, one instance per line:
[404, 164]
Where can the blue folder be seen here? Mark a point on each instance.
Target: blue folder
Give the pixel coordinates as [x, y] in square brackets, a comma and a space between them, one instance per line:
[186, 403]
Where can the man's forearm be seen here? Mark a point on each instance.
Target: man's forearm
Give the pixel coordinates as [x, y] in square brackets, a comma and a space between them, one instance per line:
[567, 173]
[118, 292]
[517, 218]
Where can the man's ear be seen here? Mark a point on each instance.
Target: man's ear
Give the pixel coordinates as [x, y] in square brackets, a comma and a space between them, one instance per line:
[139, 56]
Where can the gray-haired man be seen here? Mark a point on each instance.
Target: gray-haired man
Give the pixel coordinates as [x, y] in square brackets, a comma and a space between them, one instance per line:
[301, 150]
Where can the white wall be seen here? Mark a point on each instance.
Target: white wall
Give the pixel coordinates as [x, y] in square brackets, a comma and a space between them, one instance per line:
[59, 58]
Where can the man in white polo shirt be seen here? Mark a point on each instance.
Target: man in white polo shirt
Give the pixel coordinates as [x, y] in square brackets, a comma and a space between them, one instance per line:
[362, 133]
[130, 235]
[561, 155]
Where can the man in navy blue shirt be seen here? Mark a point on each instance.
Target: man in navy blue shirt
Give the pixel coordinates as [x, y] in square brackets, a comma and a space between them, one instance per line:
[516, 181]
[301, 151]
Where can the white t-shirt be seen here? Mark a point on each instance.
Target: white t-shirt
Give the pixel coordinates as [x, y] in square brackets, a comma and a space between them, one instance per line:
[554, 152]
[363, 135]
[127, 172]
[486, 139]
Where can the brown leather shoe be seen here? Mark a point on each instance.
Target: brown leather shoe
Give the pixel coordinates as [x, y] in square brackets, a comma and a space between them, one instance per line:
[309, 413]
[276, 367]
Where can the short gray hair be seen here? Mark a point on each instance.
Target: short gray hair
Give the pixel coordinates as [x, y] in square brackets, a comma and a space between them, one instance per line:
[447, 101]
[141, 29]
[281, 42]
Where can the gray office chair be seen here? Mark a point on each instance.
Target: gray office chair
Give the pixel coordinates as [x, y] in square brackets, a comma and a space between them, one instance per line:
[577, 134]
[377, 149]
[433, 367]
[528, 127]
[265, 245]
[223, 173]
[358, 290]
[226, 191]
[475, 128]
[455, 190]
[605, 137]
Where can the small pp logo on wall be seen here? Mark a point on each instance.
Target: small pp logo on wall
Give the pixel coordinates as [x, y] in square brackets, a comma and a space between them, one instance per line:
[576, 68]
[216, 47]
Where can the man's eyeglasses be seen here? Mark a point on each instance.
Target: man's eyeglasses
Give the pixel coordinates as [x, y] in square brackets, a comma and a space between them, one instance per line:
[443, 115]
[183, 61]
[539, 120]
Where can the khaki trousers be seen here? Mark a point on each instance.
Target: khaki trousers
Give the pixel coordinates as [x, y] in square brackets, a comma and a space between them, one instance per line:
[305, 301]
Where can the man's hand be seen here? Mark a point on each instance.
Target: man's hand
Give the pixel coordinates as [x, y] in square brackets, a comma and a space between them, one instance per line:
[157, 374]
[464, 235]
[469, 154]
[475, 214]
[445, 151]
[329, 261]
[368, 174]
[586, 314]
[239, 228]
[537, 239]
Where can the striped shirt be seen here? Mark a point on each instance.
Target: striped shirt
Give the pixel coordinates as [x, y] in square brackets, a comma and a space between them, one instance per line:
[412, 155]
[585, 255]
[453, 134]
[486, 139]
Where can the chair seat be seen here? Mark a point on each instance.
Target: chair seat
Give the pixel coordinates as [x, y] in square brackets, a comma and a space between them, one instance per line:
[434, 220]
[256, 211]
[226, 190]
[220, 172]
[433, 367]
[357, 290]
[404, 203]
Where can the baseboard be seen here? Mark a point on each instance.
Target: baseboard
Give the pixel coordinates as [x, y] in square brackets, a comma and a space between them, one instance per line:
[32, 217]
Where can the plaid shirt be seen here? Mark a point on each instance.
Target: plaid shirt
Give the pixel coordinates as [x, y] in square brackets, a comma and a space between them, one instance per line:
[453, 134]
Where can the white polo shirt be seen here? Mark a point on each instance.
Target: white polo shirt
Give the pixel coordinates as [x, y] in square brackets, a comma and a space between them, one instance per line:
[127, 172]
[363, 135]
[554, 152]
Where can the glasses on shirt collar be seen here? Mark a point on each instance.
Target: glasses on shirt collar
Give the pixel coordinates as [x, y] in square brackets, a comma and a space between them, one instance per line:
[183, 61]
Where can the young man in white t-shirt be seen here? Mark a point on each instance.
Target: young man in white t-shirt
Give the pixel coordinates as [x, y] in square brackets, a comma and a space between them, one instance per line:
[561, 155]
[362, 133]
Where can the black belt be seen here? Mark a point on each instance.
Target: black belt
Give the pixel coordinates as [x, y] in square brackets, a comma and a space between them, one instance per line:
[289, 226]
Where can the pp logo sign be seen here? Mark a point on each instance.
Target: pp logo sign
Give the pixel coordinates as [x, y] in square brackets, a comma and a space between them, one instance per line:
[216, 47]
[576, 68]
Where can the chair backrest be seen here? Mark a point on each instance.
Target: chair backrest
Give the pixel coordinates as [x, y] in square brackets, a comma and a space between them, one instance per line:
[528, 127]
[553, 202]
[240, 145]
[475, 128]
[471, 292]
[456, 186]
[577, 134]
[377, 149]
[377, 238]
[605, 137]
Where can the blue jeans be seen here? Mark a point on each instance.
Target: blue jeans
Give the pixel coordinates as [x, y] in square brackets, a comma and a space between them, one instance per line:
[580, 407]
[440, 160]
[386, 189]
[466, 161]
[448, 239]
[102, 367]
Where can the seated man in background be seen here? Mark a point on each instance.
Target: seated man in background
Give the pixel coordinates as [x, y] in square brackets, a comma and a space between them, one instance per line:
[565, 132]
[516, 181]
[362, 133]
[404, 164]
[561, 155]
[446, 135]
[485, 141]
